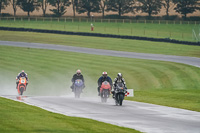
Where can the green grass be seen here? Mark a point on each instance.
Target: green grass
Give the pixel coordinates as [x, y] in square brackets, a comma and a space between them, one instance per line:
[187, 99]
[104, 43]
[50, 72]
[18, 117]
[173, 31]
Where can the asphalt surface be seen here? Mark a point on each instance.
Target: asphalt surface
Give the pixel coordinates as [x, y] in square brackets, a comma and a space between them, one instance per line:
[140, 116]
[194, 61]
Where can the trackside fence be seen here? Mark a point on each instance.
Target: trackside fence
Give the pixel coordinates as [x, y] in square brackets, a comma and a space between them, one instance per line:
[66, 19]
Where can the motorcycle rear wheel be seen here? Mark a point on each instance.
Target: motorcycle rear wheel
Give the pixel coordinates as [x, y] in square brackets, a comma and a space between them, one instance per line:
[21, 89]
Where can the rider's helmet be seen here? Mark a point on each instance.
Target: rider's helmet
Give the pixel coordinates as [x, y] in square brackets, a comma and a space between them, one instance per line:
[23, 73]
[78, 72]
[119, 75]
[104, 74]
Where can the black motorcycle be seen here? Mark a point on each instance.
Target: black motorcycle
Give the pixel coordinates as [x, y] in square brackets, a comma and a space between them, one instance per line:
[119, 93]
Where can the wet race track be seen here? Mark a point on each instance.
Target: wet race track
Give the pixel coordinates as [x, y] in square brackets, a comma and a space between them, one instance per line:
[140, 116]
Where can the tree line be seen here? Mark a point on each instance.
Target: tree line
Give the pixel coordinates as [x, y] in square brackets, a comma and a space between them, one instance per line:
[151, 7]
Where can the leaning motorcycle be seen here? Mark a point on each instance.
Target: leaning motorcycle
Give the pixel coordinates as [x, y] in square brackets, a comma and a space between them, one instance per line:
[21, 85]
[120, 92]
[105, 91]
[78, 86]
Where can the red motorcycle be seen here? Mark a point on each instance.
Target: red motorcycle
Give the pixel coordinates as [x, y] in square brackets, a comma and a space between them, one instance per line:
[105, 91]
[21, 85]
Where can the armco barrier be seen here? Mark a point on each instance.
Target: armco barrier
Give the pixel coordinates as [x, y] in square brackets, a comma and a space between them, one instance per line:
[101, 35]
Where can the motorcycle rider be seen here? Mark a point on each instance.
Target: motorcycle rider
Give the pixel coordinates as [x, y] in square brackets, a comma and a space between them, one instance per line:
[21, 74]
[76, 76]
[103, 78]
[118, 79]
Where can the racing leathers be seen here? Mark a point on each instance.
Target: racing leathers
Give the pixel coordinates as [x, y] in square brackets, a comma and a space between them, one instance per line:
[101, 80]
[75, 77]
[22, 74]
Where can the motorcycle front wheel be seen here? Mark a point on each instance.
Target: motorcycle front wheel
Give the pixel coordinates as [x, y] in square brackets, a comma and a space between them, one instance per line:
[121, 98]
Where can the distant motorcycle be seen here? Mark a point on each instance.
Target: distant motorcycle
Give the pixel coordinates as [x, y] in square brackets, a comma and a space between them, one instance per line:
[21, 85]
[120, 92]
[78, 87]
[105, 91]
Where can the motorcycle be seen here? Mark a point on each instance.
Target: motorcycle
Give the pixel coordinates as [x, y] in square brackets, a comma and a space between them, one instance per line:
[21, 85]
[120, 92]
[105, 91]
[78, 86]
